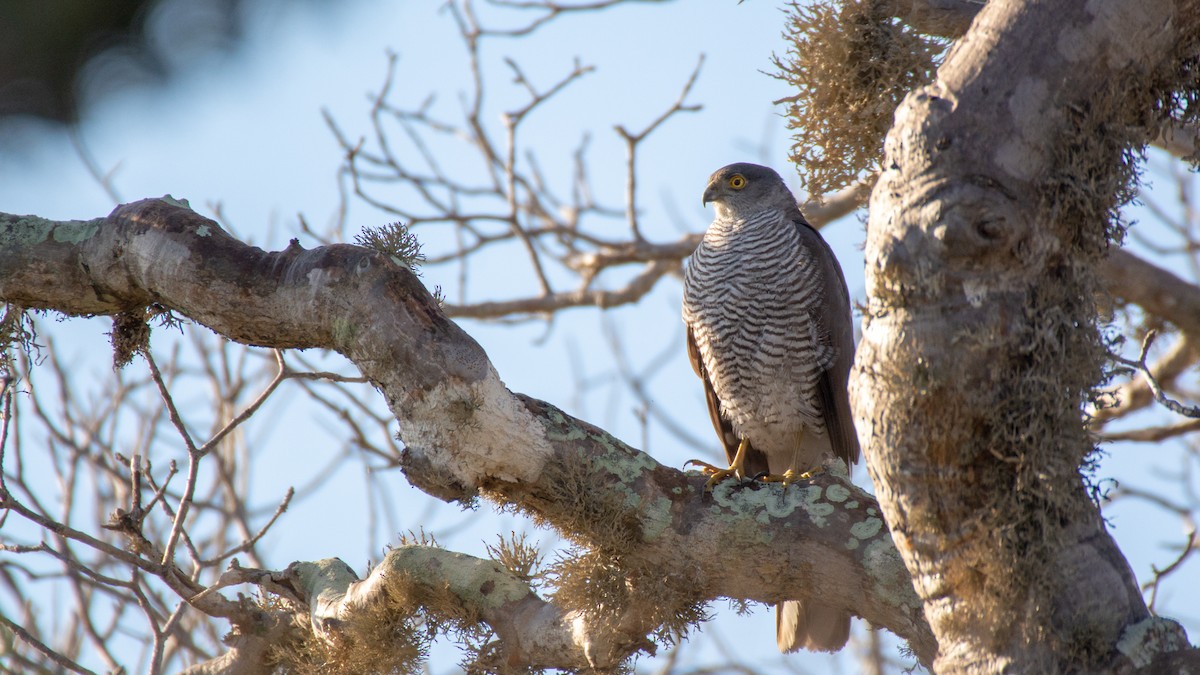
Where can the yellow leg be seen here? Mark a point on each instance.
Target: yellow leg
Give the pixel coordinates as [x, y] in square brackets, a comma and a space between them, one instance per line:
[716, 474]
[790, 476]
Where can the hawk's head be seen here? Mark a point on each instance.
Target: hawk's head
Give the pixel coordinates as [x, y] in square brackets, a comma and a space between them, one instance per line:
[742, 190]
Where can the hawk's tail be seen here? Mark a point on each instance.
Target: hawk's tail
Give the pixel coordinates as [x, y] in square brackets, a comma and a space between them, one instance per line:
[813, 627]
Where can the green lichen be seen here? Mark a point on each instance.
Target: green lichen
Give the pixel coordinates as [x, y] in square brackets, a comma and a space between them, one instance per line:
[203, 231]
[562, 430]
[31, 230]
[1144, 640]
[75, 231]
[344, 331]
[837, 493]
[817, 510]
[656, 518]
[478, 582]
[182, 203]
[765, 503]
[26, 231]
[619, 462]
[891, 582]
[867, 528]
[333, 575]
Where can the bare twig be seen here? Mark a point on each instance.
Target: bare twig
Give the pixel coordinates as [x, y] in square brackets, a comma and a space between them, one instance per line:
[1140, 364]
[49, 653]
[633, 139]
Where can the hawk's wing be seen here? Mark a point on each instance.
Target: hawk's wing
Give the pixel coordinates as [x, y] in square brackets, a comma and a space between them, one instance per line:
[839, 422]
[836, 321]
[755, 461]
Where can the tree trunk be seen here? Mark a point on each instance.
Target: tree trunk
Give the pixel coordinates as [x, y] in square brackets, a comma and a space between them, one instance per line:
[981, 344]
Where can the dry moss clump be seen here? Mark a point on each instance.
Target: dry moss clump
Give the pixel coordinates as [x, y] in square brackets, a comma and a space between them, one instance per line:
[409, 601]
[377, 640]
[614, 591]
[851, 64]
[395, 240]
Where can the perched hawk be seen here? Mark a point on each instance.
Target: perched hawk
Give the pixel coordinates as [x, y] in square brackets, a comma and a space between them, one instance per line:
[769, 332]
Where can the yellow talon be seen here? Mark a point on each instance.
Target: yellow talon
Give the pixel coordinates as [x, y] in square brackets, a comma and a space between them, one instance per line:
[790, 476]
[717, 474]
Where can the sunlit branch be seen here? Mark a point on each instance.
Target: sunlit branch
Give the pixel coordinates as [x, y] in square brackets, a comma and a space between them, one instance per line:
[1135, 393]
[1140, 364]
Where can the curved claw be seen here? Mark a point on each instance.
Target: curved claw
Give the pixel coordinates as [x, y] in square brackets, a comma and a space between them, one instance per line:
[716, 474]
[705, 467]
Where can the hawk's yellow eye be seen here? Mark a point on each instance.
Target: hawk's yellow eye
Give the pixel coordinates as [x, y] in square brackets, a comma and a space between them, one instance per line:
[737, 181]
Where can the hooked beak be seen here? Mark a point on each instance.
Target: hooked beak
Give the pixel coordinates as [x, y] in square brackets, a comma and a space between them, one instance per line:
[710, 193]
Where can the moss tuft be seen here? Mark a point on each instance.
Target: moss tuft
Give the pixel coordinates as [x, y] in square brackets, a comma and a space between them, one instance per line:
[395, 240]
[130, 336]
[850, 64]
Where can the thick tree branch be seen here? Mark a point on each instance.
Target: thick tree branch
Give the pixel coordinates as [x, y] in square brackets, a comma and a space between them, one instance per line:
[1154, 289]
[454, 588]
[464, 432]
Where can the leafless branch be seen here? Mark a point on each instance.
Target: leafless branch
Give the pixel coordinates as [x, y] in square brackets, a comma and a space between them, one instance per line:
[632, 140]
[49, 653]
[1140, 364]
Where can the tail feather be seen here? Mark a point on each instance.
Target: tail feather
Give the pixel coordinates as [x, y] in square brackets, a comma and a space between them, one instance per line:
[813, 627]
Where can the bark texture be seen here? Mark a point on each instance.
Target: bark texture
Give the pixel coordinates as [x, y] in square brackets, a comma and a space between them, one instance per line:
[466, 434]
[980, 344]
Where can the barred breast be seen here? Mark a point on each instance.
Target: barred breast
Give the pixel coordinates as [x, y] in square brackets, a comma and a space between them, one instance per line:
[752, 292]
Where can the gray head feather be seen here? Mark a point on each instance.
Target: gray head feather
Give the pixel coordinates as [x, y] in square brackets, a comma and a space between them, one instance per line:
[742, 190]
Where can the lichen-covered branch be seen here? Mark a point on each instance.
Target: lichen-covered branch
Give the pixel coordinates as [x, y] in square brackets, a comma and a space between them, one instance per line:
[650, 527]
[448, 589]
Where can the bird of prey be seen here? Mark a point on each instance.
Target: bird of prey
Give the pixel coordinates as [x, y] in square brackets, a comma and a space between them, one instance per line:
[770, 334]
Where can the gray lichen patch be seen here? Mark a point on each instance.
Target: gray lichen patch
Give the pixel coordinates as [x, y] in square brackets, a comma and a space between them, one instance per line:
[75, 231]
[626, 465]
[837, 493]
[181, 202]
[1144, 640]
[655, 516]
[562, 431]
[476, 581]
[767, 502]
[866, 529]
[882, 562]
[325, 581]
[31, 230]
[25, 231]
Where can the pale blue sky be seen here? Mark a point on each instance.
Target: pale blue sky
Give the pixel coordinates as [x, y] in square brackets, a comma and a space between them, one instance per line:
[247, 132]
